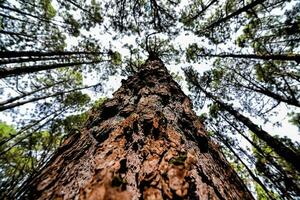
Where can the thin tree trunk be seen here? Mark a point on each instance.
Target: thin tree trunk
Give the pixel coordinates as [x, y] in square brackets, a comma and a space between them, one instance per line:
[14, 71]
[13, 9]
[255, 178]
[38, 59]
[285, 152]
[285, 57]
[201, 12]
[14, 54]
[17, 34]
[26, 94]
[235, 13]
[265, 91]
[144, 143]
[34, 99]
[26, 128]
[83, 9]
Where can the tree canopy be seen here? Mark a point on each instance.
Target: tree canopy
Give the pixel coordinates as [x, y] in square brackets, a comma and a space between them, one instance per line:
[238, 61]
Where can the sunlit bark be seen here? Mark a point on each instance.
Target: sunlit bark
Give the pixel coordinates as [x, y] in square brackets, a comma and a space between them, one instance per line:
[144, 143]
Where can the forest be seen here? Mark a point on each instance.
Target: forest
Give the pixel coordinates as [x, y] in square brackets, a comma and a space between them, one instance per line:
[150, 99]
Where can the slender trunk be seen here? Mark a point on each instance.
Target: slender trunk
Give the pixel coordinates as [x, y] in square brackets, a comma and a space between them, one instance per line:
[269, 158]
[235, 13]
[202, 11]
[83, 9]
[38, 59]
[262, 89]
[26, 94]
[286, 153]
[255, 178]
[20, 103]
[26, 128]
[14, 71]
[144, 143]
[29, 134]
[286, 57]
[15, 18]
[15, 54]
[22, 13]
[17, 34]
[265, 91]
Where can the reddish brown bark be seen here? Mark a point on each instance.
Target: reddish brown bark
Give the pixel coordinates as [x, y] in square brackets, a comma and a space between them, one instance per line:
[144, 143]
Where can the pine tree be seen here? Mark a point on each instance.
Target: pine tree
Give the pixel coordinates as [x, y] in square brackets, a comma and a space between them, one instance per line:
[144, 143]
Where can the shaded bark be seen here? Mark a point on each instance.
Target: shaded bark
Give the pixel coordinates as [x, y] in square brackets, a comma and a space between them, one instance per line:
[144, 143]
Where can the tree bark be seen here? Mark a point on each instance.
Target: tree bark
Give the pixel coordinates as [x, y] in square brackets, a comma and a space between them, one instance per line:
[144, 143]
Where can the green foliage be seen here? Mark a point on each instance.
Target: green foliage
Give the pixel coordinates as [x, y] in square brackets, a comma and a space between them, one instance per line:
[217, 76]
[191, 52]
[203, 117]
[179, 160]
[48, 8]
[73, 123]
[98, 103]
[274, 176]
[21, 159]
[77, 97]
[6, 130]
[74, 27]
[214, 109]
[265, 72]
[261, 194]
[177, 77]
[96, 10]
[116, 58]
[295, 119]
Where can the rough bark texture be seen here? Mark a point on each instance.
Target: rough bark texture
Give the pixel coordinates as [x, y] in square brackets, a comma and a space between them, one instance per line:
[144, 143]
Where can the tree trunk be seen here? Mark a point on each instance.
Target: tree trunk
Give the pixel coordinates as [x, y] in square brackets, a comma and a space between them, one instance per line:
[144, 143]
[15, 71]
[285, 57]
[236, 13]
[288, 154]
